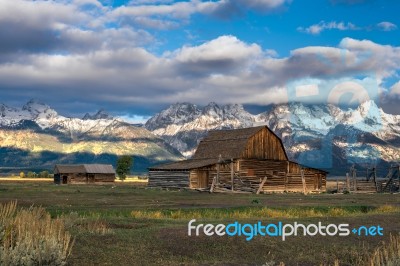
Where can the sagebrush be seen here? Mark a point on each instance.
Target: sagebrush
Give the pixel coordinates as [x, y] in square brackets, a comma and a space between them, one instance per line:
[31, 237]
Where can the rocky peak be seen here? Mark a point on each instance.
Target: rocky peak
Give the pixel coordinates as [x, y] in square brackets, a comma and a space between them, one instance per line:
[212, 109]
[175, 114]
[37, 108]
[101, 114]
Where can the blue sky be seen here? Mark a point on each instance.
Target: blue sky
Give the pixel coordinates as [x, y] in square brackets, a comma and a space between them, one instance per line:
[135, 57]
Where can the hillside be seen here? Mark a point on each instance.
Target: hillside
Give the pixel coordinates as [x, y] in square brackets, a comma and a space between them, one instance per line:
[37, 136]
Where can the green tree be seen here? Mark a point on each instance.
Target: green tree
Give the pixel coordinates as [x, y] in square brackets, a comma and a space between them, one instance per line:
[22, 175]
[31, 174]
[44, 174]
[124, 164]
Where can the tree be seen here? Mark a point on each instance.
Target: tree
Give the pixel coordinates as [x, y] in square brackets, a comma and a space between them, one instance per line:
[31, 174]
[44, 174]
[22, 175]
[124, 164]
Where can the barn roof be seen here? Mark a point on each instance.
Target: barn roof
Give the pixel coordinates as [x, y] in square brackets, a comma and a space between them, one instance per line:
[84, 168]
[228, 143]
[99, 168]
[186, 164]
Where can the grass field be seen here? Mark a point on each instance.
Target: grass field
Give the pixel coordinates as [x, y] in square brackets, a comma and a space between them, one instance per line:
[126, 224]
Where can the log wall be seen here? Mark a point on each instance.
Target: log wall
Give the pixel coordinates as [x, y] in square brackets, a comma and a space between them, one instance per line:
[248, 174]
[83, 178]
[104, 177]
[75, 178]
[282, 176]
[169, 179]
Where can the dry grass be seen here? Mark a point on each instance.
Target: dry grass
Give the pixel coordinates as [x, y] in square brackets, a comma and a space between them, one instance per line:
[85, 225]
[97, 226]
[262, 212]
[386, 209]
[26, 179]
[31, 237]
[388, 254]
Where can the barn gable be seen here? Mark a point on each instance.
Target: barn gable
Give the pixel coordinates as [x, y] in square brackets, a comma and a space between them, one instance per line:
[242, 143]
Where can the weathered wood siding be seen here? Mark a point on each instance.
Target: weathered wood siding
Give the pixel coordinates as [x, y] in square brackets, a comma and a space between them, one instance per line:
[169, 179]
[248, 174]
[286, 176]
[104, 177]
[200, 178]
[82, 178]
[264, 145]
[75, 178]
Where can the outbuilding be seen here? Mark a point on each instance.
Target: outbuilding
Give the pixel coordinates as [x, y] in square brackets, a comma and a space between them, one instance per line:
[83, 173]
[250, 159]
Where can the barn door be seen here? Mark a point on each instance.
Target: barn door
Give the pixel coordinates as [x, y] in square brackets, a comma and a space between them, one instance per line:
[203, 179]
[90, 178]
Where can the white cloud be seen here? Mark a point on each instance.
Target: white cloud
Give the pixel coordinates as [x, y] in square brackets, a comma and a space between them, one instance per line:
[224, 69]
[183, 10]
[224, 55]
[383, 60]
[395, 90]
[61, 27]
[223, 48]
[39, 14]
[386, 26]
[321, 26]
[156, 23]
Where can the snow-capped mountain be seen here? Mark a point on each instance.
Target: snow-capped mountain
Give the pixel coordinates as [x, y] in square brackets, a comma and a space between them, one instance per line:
[322, 136]
[316, 135]
[35, 132]
[183, 125]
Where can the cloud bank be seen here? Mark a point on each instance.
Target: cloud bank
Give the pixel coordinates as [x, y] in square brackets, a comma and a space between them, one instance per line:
[82, 53]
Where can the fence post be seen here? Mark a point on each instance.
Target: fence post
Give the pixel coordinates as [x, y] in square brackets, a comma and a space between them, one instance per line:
[232, 173]
[303, 180]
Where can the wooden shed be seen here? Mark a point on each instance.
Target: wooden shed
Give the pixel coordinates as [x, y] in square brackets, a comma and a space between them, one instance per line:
[249, 159]
[83, 173]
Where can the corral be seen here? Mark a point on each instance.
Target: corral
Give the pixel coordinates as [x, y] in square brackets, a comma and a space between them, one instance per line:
[245, 160]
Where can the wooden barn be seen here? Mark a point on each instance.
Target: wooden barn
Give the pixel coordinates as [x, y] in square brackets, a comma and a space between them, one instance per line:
[247, 160]
[83, 173]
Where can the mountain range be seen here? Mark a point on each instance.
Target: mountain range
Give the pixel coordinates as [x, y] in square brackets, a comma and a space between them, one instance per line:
[317, 135]
[322, 136]
[37, 137]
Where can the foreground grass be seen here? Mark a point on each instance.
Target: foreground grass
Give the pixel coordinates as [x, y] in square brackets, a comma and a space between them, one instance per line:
[264, 212]
[122, 224]
[32, 237]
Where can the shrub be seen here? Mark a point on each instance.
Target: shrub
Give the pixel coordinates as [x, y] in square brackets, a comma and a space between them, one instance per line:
[31, 237]
[22, 175]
